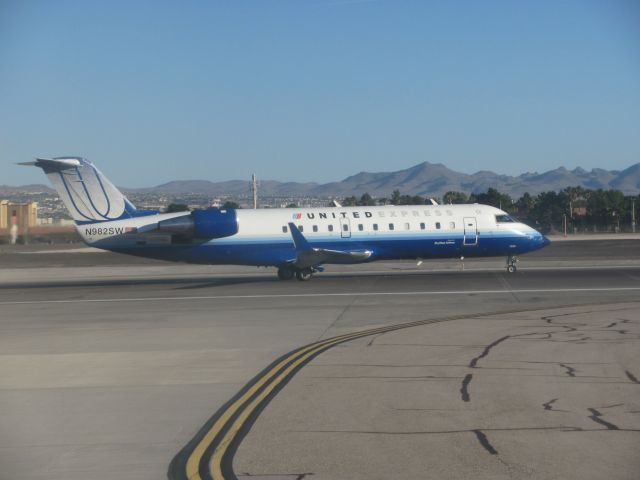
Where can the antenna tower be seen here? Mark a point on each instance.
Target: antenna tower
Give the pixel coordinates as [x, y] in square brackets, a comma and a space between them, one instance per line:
[254, 190]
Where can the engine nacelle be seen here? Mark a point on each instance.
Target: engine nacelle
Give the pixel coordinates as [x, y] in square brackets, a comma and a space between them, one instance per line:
[211, 223]
[214, 223]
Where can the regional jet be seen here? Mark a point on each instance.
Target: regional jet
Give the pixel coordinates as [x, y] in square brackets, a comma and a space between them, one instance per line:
[297, 241]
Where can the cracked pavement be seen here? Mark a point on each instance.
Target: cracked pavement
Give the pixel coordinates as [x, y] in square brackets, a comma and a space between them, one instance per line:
[548, 394]
[110, 365]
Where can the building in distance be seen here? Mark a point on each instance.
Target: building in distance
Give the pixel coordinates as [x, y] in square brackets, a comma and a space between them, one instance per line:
[23, 215]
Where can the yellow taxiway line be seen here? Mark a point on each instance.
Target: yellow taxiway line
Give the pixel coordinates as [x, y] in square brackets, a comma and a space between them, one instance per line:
[210, 456]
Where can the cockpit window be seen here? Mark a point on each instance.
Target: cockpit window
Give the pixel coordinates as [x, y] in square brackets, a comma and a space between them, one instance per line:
[504, 219]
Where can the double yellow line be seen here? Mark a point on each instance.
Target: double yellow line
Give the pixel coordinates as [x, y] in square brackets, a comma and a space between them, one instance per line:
[210, 454]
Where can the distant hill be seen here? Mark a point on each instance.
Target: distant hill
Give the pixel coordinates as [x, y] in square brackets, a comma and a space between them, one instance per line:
[426, 179]
[35, 188]
[627, 180]
[423, 179]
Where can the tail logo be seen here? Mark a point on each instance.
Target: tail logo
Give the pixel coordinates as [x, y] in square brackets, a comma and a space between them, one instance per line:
[88, 195]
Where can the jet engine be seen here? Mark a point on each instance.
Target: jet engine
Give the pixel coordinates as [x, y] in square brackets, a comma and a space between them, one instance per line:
[206, 224]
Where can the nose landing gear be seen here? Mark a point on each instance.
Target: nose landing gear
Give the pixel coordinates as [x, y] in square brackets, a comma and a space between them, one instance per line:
[511, 264]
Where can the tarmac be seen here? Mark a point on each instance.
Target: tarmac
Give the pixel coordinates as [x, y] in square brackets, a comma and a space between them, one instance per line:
[535, 394]
[110, 366]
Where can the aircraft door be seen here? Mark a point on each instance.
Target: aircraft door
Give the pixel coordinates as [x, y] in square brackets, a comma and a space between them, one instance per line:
[470, 231]
[345, 228]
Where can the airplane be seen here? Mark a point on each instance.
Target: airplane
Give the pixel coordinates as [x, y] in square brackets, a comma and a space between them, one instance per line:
[297, 241]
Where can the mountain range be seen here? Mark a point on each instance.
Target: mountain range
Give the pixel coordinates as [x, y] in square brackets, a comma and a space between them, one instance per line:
[426, 179]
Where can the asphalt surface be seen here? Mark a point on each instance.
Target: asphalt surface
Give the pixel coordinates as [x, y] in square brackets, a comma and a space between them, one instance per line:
[110, 369]
[612, 248]
[536, 394]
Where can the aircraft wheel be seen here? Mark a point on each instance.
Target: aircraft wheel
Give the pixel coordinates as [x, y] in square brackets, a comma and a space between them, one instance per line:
[304, 274]
[511, 268]
[285, 273]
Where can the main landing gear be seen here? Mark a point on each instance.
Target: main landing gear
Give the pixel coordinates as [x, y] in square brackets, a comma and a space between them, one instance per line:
[286, 273]
[511, 264]
[302, 274]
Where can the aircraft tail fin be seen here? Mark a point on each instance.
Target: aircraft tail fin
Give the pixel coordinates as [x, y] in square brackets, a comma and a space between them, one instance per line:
[88, 195]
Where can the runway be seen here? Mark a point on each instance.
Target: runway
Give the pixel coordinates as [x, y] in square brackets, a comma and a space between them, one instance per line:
[112, 369]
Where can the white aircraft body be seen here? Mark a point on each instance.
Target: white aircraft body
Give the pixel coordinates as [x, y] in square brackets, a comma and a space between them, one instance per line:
[298, 241]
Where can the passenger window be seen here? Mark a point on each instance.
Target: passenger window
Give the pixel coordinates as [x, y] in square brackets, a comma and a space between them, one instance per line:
[452, 225]
[407, 226]
[360, 227]
[422, 226]
[331, 228]
[301, 228]
[375, 227]
[284, 229]
[391, 226]
[345, 228]
[438, 225]
[315, 228]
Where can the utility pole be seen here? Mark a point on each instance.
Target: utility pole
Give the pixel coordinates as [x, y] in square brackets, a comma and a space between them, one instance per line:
[254, 190]
[633, 215]
[571, 209]
[571, 215]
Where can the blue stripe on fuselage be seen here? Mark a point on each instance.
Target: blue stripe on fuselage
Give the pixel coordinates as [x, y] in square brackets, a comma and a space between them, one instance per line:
[278, 250]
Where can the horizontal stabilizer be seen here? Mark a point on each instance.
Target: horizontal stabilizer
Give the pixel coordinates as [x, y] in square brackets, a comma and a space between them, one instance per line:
[53, 164]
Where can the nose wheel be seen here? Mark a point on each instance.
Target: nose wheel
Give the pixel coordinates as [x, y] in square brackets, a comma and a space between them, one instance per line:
[511, 264]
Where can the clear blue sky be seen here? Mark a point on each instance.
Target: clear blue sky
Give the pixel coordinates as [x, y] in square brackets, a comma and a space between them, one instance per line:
[317, 90]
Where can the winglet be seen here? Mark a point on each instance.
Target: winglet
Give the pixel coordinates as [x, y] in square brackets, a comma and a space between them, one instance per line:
[299, 241]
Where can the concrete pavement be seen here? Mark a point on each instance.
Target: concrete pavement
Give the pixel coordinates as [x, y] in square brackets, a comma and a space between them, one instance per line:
[109, 370]
[540, 394]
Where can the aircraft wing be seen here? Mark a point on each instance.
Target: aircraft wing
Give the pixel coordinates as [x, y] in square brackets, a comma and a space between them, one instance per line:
[308, 256]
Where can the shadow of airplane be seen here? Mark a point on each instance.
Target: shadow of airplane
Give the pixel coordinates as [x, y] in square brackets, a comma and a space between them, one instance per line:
[180, 283]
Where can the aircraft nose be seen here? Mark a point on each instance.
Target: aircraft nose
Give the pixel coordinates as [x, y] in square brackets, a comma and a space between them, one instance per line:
[539, 240]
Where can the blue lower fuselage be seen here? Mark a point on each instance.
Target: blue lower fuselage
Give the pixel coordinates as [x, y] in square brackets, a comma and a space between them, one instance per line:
[267, 252]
